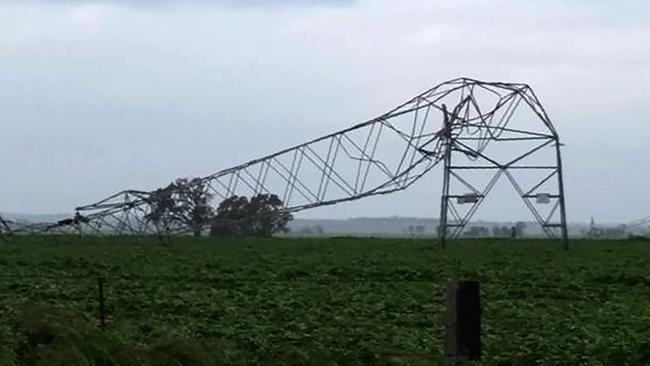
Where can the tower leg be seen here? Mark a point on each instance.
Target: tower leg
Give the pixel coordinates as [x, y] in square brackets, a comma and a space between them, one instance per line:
[560, 178]
[444, 203]
[444, 199]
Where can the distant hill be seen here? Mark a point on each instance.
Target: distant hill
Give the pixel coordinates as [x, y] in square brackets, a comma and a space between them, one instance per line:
[401, 226]
[393, 225]
[34, 218]
[363, 225]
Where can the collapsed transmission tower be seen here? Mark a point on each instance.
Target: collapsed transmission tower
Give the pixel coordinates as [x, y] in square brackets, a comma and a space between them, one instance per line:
[458, 123]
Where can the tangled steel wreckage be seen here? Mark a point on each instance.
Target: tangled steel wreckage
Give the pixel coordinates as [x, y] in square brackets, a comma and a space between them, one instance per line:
[479, 132]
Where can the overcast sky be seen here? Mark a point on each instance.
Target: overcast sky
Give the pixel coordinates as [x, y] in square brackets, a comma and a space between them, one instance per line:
[96, 97]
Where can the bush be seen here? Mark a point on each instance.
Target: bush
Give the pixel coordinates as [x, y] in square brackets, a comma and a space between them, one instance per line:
[48, 337]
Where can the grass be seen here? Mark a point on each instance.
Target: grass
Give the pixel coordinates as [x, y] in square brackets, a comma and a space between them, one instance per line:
[345, 301]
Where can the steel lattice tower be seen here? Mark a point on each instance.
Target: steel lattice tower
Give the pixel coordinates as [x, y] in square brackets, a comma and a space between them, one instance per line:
[466, 134]
[383, 155]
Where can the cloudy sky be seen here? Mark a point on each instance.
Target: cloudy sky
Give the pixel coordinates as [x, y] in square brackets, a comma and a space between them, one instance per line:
[98, 96]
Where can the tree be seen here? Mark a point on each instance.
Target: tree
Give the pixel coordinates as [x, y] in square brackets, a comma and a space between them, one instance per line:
[501, 231]
[318, 229]
[194, 208]
[520, 228]
[268, 215]
[161, 207]
[477, 232]
[185, 202]
[230, 219]
[4, 228]
[262, 215]
[411, 230]
[419, 230]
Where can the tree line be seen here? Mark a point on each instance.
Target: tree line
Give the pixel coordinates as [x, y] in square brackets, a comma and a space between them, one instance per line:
[187, 202]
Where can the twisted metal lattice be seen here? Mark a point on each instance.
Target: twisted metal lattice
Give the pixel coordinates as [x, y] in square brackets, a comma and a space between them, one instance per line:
[380, 156]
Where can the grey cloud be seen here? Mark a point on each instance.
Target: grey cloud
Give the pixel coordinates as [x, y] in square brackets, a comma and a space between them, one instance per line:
[98, 99]
[223, 3]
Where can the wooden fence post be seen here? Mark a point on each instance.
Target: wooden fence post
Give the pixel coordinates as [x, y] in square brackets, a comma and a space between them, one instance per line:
[102, 306]
[463, 323]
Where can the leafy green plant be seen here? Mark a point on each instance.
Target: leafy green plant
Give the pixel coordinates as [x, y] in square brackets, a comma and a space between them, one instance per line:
[348, 301]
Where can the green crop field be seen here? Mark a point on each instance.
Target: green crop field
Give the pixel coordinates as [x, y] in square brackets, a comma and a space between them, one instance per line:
[327, 301]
